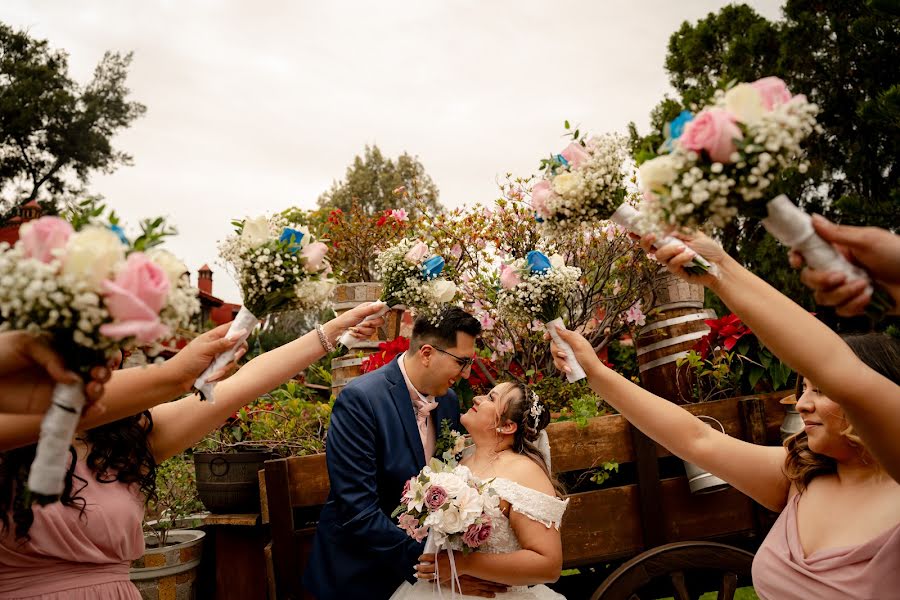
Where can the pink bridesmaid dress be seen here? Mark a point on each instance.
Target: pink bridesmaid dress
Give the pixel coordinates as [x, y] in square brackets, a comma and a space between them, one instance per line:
[75, 556]
[869, 571]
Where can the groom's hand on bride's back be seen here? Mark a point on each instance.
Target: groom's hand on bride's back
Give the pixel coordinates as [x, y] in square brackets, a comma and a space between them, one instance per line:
[472, 586]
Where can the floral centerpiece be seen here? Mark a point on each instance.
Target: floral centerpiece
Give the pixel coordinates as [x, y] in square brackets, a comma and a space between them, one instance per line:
[278, 266]
[92, 292]
[449, 506]
[410, 277]
[534, 288]
[740, 155]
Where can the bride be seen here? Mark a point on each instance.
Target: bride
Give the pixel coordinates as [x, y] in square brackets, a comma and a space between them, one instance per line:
[524, 549]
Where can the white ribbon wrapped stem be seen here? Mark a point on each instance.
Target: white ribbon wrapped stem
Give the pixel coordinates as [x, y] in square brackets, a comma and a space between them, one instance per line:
[246, 321]
[575, 373]
[627, 217]
[48, 470]
[791, 226]
[348, 340]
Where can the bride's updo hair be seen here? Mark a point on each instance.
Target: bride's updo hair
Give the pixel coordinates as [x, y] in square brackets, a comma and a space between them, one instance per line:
[531, 417]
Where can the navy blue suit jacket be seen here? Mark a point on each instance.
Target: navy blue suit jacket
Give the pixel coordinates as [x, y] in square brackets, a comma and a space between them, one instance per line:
[373, 448]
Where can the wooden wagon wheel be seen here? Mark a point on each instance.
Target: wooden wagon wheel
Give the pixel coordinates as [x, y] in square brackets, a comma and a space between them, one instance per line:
[676, 562]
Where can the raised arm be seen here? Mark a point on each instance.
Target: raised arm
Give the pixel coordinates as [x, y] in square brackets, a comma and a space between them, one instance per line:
[754, 470]
[179, 425]
[870, 400]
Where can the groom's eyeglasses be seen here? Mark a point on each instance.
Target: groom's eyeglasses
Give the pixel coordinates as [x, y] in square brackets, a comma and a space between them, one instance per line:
[462, 362]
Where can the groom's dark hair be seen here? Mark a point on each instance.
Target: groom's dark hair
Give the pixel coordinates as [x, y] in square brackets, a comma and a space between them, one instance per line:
[451, 321]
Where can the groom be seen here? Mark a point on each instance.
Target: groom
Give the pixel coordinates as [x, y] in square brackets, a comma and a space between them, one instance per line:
[383, 431]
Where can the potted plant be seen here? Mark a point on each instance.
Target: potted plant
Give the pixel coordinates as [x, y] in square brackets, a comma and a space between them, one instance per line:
[288, 421]
[172, 552]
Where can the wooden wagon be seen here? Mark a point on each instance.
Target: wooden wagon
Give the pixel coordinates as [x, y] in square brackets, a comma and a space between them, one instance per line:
[652, 512]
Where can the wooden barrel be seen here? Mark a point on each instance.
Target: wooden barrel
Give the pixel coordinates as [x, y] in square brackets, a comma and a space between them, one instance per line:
[676, 326]
[346, 297]
[229, 482]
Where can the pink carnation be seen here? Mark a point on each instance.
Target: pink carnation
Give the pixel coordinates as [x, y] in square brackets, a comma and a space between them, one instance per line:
[419, 533]
[134, 300]
[435, 497]
[575, 154]
[41, 237]
[408, 523]
[773, 91]
[478, 533]
[715, 131]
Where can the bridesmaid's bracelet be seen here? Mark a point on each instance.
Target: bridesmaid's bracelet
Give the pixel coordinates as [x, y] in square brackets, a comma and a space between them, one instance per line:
[323, 339]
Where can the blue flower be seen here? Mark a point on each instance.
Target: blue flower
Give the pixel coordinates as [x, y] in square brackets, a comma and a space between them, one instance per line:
[562, 160]
[121, 233]
[292, 238]
[538, 218]
[432, 267]
[538, 262]
[675, 128]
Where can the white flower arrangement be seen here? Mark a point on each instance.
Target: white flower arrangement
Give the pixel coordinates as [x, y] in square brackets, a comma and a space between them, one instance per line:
[410, 275]
[586, 182]
[731, 157]
[91, 292]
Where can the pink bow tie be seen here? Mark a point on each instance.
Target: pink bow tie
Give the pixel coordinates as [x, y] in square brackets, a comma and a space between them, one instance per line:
[424, 408]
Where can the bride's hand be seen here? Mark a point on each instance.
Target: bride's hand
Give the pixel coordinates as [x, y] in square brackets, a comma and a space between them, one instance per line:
[471, 586]
[354, 320]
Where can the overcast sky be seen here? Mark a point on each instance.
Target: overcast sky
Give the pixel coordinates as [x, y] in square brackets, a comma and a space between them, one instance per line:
[254, 107]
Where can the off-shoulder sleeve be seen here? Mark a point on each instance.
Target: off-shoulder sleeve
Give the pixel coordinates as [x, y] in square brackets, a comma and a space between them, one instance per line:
[535, 505]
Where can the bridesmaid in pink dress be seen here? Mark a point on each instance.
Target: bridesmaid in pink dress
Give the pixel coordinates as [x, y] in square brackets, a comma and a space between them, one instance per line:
[81, 547]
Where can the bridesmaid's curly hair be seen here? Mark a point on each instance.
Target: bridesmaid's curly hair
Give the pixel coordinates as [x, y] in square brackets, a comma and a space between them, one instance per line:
[879, 352]
[119, 452]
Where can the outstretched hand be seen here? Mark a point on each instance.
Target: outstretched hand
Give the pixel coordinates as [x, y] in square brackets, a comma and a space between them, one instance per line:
[354, 320]
[876, 250]
[584, 352]
[194, 358]
[30, 369]
[674, 257]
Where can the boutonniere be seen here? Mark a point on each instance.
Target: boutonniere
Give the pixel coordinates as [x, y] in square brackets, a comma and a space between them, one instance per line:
[450, 443]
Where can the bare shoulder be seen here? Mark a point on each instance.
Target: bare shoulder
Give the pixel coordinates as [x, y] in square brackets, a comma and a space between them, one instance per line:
[526, 472]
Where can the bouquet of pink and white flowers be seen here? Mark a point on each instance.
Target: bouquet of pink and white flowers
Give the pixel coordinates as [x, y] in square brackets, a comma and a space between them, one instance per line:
[736, 157]
[449, 506]
[279, 266]
[410, 273]
[536, 288]
[91, 292]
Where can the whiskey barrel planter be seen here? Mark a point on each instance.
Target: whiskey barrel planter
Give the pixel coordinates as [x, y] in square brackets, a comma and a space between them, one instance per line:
[677, 325]
[169, 571]
[228, 482]
[348, 296]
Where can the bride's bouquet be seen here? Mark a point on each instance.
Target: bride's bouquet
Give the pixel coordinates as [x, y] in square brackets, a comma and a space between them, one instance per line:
[91, 292]
[591, 180]
[449, 506]
[410, 277]
[736, 156]
[279, 266]
[535, 288]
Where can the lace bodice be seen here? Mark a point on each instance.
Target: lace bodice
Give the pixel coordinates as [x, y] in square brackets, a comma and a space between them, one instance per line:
[533, 504]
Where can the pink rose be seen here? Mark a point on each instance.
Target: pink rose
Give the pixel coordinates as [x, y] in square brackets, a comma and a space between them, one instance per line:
[134, 300]
[315, 256]
[773, 91]
[435, 497]
[575, 154]
[42, 236]
[478, 533]
[508, 277]
[540, 195]
[713, 130]
[416, 253]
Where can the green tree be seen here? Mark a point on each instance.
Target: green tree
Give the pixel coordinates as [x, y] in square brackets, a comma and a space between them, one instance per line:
[842, 55]
[53, 132]
[373, 181]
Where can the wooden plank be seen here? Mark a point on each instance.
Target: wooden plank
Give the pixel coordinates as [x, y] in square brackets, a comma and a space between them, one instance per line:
[605, 524]
[308, 480]
[603, 439]
[648, 488]
[242, 519]
[281, 517]
[263, 499]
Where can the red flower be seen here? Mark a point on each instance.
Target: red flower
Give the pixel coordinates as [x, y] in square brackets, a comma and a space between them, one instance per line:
[388, 351]
[381, 221]
[724, 332]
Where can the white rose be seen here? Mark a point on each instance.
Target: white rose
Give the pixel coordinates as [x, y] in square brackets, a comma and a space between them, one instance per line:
[443, 291]
[564, 183]
[657, 173]
[92, 254]
[451, 521]
[557, 261]
[745, 103]
[255, 231]
[470, 505]
[452, 484]
[167, 261]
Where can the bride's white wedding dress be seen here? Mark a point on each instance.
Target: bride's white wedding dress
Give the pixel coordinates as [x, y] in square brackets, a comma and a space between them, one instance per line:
[529, 502]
